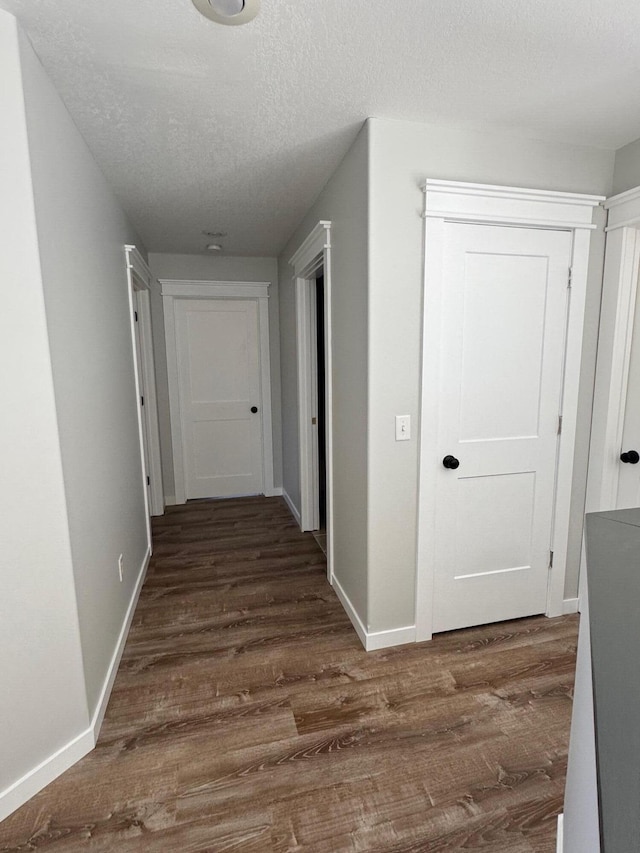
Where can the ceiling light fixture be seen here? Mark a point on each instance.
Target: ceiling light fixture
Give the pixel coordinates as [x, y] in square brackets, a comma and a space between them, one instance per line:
[214, 247]
[233, 13]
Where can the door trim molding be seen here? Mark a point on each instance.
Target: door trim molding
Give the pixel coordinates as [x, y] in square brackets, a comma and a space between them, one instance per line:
[313, 255]
[140, 279]
[615, 334]
[451, 201]
[257, 291]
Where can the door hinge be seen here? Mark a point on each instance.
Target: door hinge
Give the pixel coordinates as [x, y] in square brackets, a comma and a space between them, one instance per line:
[570, 277]
[314, 421]
[142, 401]
[135, 314]
[550, 559]
[559, 424]
[148, 481]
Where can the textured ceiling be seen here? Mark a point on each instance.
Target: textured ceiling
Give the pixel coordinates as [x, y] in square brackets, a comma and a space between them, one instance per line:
[199, 126]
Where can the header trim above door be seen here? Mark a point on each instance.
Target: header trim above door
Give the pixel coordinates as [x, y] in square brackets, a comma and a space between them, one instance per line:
[215, 289]
[463, 202]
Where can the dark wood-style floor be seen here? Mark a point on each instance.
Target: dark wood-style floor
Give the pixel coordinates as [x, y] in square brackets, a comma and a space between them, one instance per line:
[246, 716]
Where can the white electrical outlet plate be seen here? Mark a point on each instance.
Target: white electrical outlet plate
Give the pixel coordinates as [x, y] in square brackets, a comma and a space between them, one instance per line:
[120, 560]
[403, 427]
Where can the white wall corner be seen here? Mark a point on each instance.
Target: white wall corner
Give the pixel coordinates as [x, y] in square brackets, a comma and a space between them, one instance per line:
[373, 640]
[275, 492]
[295, 512]
[351, 612]
[39, 777]
[392, 637]
[570, 605]
[170, 500]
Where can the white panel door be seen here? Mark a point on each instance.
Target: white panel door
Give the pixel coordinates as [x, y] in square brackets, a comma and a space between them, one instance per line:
[629, 479]
[219, 385]
[504, 319]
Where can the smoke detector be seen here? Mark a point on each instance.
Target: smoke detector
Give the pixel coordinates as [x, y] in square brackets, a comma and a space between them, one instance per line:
[233, 13]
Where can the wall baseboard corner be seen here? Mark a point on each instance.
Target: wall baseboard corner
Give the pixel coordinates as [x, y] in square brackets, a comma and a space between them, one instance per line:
[373, 640]
[392, 637]
[292, 507]
[570, 605]
[39, 777]
[350, 610]
[170, 500]
[275, 492]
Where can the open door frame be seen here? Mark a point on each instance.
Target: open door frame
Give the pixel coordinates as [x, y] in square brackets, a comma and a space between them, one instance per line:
[312, 259]
[617, 315]
[139, 279]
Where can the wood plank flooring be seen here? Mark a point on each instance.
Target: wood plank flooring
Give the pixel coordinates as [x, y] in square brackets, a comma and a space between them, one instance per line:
[246, 717]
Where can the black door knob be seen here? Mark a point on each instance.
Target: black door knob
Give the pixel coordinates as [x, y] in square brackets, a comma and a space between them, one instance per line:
[450, 462]
[631, 456]
[254, 409]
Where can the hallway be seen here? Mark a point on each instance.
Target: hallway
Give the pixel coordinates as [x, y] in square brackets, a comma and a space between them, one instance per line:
[246, 716]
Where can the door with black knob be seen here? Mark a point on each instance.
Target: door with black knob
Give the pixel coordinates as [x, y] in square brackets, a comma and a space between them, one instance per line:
[218, 377]
[504, 316]
[628, 490]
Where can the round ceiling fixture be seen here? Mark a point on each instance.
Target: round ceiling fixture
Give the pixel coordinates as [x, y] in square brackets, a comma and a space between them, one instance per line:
[214, 247]
[233, 13]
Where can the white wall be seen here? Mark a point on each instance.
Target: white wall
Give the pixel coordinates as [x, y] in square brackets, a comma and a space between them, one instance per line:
[42, 698]
[403, 154]
[82, 231]
[626, 175]
[344, 201]
[212, 268]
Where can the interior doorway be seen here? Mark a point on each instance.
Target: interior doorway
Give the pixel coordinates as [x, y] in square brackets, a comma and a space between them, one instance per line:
[139, 282]
[321, 408]
[312, 270]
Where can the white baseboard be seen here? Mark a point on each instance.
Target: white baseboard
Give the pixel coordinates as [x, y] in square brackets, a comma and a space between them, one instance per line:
[352, 613]
[170, 500]
[53, 766]
[275, 492]
[570, 605]
[560, 837]
[98, 716]
[373, 640]
[393, 637]
[35, 780]
[292, 507]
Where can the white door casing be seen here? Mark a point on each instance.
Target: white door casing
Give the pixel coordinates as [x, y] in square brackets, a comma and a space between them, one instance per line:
[502, 346]
[137, 311]
[140, 280]
[629, 472]
[447, 206]
[220, 447]
[612, 484]
[312, 258]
